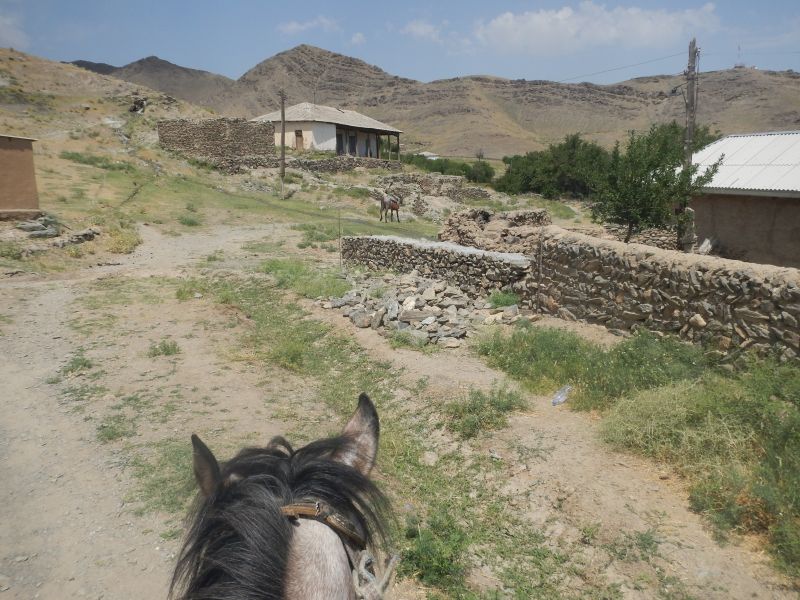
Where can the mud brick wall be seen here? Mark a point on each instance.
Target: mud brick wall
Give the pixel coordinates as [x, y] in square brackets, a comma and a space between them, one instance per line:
[476, 272]
[218, 140]
[725, 304]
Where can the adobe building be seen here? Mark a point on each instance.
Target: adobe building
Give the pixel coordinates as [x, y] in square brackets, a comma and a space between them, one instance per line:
[316, 127]
[18, 195]
[750, 210]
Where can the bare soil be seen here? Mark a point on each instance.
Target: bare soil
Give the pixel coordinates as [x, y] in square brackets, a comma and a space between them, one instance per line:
[71, 525]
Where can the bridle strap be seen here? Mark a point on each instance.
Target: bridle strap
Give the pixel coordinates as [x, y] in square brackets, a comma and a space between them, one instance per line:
[321, 512]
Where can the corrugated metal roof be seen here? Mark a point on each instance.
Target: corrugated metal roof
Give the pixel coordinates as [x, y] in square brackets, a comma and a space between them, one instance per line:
[754, 162]
[305, 111]
[18, 137]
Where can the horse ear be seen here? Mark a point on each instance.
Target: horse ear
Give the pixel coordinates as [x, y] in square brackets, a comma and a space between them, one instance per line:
[206, 467]
[361, 433]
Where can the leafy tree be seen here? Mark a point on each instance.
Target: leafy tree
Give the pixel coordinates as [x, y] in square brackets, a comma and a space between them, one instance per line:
[641, 187]
[566, 168]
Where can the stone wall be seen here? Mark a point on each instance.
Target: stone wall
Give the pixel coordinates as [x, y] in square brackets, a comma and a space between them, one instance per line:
[229, 144]
[666, 238]
[337, 164]
[515, 231]
[722, 303]
[412, 186]
[475, 272]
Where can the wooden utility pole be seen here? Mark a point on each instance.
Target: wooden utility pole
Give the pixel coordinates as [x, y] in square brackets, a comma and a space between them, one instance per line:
[691, 103]
[686, 230]
[282, 96]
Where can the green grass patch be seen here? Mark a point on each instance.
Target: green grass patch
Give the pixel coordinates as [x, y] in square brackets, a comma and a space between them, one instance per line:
[482, 411]
[115, 427]
[736, 438]
[501, 299]
[545, 359]
[352, 192]
[317, 232]
[403, 339]
[304, 279]
[10, 250]
[101, 162]
[76, 364]
[165, 477]
[163, 348]
[190, 220]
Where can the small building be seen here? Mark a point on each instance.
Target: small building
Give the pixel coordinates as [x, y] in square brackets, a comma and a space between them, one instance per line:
[18, 195]
[751, 208]
[315, 127]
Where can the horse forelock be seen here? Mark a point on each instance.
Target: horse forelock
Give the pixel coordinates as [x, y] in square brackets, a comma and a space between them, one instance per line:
[238, 540]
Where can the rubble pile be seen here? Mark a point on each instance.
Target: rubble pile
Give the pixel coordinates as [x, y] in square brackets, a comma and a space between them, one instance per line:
[427, 311]
[514, 231]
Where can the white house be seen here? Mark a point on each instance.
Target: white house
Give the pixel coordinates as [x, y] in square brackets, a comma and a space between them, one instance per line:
[315, 127]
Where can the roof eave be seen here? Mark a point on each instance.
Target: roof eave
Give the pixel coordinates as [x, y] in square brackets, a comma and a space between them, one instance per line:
[760, 193]
[18, 137]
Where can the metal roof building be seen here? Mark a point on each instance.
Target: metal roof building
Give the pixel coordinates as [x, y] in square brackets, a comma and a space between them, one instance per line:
[750, 210]
[316, 127]
[754, 164]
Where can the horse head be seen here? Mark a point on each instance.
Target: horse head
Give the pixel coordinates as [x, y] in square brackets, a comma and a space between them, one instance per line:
[277, 523]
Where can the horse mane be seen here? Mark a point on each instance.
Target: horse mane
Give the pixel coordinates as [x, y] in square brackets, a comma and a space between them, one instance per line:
[237, 544]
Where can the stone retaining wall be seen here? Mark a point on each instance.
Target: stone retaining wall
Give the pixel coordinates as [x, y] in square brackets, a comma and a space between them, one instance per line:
[476, 272]
[229, 144]
[337, 164]
[722, 303]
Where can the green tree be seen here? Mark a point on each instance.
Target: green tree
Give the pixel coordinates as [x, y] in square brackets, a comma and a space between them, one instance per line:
[641, 187]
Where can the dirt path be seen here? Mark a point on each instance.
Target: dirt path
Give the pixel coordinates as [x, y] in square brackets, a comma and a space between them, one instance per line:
[64, 492]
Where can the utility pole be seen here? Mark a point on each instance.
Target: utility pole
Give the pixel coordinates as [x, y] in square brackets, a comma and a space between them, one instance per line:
[686, 230]
[282, 96]
[691, 103]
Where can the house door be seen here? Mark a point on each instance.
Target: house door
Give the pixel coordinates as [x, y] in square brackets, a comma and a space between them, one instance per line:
[298, 139]
[339, 143]
[352, 148]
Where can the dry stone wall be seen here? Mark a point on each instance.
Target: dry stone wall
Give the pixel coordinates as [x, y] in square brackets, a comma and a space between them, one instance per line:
[475, 272]
[229, 144]
[337, 164]
[725, 304]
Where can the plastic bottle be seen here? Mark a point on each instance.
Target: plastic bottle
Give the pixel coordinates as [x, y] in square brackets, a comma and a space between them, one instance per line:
[561, 395]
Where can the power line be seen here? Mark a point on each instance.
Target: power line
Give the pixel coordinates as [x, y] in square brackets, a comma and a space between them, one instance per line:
[645, 62]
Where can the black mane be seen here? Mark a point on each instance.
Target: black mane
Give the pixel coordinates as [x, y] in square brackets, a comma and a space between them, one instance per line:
[238, 541]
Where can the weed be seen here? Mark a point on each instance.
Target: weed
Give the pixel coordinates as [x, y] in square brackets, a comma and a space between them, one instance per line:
[216, 256]
[11, 250]
[122, 240]
[77, 363]
[545, 359]
[115, 427]
[501, 299]
[307, 281]
[436, 552]
[189, 220]
[317, 232]
[163, 348]
[482, 411]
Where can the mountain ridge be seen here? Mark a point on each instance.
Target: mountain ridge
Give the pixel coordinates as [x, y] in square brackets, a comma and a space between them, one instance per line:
[461, 115]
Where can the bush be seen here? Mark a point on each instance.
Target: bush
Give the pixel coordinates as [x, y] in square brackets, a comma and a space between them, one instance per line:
[101, 162]
[479, 172]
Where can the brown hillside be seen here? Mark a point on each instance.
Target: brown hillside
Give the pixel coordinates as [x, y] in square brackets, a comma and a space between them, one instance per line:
[458, 116]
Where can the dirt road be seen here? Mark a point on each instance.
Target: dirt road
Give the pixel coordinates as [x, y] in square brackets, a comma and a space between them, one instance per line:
[71, 530]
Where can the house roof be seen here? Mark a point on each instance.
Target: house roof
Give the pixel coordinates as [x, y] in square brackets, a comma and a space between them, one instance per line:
[305, 111]
[18, 137]
[760, 164]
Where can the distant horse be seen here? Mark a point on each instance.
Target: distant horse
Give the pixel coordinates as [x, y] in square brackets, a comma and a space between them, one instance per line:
[390, 205]
[277, 523]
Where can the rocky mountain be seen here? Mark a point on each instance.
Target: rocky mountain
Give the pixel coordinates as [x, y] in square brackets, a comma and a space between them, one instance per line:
[193, 85]
[456, 117]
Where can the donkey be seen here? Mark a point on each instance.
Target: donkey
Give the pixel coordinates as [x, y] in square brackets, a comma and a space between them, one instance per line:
[389, 205]
[277, 523]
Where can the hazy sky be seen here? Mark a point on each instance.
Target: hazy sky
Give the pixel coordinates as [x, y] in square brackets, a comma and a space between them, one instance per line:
[421, 39]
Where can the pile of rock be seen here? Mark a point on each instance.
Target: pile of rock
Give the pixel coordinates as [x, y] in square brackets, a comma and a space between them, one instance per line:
[427, 311]
[514, 231]
[45, 226]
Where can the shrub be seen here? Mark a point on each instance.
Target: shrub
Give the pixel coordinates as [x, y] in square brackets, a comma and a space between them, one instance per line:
[499, 299]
